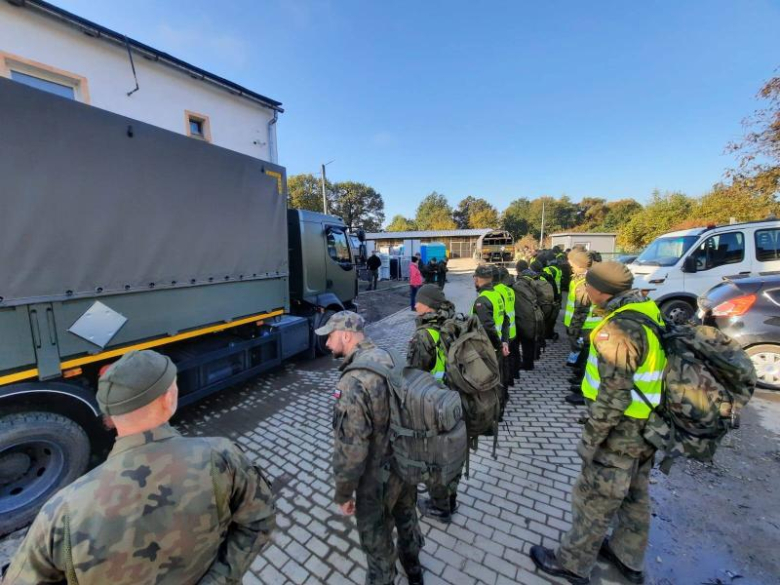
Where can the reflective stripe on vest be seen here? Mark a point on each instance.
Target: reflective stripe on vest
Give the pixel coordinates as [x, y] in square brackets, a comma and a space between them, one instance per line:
[591, 320]
[509, 306]
[497, 301]
[556, 273]
[648, 378]
[441, 359]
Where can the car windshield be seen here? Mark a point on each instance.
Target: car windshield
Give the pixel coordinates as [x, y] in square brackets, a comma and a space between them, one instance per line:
[666, 251]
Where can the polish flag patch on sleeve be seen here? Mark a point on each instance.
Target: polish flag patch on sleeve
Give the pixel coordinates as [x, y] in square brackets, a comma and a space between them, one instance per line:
[337, 394]
[602, 336]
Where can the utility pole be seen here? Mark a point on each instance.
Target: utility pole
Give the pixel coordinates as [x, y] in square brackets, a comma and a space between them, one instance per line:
[541, 236]
[324, 196]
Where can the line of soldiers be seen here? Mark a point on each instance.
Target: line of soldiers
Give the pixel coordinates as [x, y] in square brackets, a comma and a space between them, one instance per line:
[435, 272]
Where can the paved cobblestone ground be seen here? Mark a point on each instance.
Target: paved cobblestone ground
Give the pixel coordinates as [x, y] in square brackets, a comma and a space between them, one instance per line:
[507, 505]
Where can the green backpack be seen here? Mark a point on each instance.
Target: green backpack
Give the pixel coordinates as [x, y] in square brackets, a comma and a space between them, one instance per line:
[707, 381]
[427, 431]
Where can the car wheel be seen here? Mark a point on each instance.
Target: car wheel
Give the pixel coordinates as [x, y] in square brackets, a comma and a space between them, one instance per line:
[321, 340]
[766, 359]
[678, 311]
[40, 452]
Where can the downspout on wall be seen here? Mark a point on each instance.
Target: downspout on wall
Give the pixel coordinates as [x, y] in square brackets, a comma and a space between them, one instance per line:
[273, 155]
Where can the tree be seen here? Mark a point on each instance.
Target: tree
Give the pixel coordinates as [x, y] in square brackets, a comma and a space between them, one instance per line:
[590, 214]
[745, 198]
[359, 205]
[475, 213]
[559, 214]
[759, 149]
[661, 215]
[305, 192]
[434, 213]
[515, 217]
[399, 223]
[461, 213]
[619, 213]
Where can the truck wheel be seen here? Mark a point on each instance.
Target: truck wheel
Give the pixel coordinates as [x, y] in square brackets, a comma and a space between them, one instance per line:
[320, 341]
[678, 311]
[766, 360]
[40, 452]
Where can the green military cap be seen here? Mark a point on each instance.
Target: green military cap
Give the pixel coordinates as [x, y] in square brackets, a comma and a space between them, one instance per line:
[133, 381]
[484, 271]
[580, 258]
[610, 277]
[431, 295]
[342, 321]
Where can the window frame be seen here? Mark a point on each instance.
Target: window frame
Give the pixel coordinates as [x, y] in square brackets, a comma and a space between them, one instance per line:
[345, 263]
[10, 62]
[189, 117]
[719, 235]
[776, 241]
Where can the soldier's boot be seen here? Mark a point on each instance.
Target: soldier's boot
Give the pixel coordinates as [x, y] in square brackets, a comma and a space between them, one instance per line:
[575, 399]
[413, 570]
[430, 510]
[545, 561]
[453, 503]
[606, 553]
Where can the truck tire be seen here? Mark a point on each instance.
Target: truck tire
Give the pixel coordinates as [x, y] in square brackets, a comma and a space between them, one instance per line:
[319, 340]
[766, 359]
[40, 452]
[678, 311]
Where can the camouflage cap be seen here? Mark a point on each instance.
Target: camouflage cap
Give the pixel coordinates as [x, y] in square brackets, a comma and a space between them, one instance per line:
[133, 381]
[342, 321]
[484, 271]
[580, 258]
[610, 277]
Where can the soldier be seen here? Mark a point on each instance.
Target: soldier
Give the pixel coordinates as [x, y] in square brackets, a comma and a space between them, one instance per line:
[625, 356]
[427, 353]
[489, 308]
[162, 508]
[366, 485]
[441, 273]
[579, 320]
[551, 306]
[503, 283]
[528, 316]
[431, 272]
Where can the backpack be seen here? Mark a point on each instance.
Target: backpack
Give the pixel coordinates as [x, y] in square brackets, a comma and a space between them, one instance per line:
[707, 381]
[472, 370]
[427, 431]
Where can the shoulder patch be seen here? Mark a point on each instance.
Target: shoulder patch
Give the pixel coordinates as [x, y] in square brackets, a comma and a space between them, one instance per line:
[602, 336]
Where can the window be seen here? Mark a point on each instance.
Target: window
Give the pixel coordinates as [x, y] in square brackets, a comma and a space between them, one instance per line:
[728, 248]
[44, 77]
[768, 245]
[198, 126]
[338, 249]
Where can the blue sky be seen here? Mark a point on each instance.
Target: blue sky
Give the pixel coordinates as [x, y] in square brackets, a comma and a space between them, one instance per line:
[495, 99]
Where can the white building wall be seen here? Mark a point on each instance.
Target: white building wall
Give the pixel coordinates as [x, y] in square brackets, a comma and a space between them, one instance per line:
[235, 122]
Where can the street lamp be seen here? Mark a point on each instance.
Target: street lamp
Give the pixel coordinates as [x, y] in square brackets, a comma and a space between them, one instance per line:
[324, 196]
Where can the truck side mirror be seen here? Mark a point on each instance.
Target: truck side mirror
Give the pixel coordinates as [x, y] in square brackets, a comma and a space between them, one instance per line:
[689, 264]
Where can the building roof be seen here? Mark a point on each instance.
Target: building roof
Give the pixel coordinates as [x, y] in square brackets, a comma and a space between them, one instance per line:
[427, 234]
[95, 30]
[584, 234]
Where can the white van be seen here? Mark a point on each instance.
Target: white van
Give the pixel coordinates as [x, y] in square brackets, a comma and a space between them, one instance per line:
[680, 266]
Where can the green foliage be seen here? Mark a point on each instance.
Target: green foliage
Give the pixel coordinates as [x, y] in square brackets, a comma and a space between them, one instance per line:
[759, 149]
[359, 205]
[559, 214]
[744, 199]
[305, 192]
[619, 213]
[474, 213]
[434, 213]
[399, 223]
[515, 217]
[662, 214]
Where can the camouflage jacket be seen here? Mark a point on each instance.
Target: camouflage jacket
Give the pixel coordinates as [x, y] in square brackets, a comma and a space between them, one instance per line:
[483, 309]
[161, 509]
[582, 306]
[421, 354]
[361, 424]
[608, 436]
[526, 306]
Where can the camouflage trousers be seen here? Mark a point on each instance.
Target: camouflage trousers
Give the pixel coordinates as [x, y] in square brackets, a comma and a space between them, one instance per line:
[603, 494]
[443, 495]
[378, 508]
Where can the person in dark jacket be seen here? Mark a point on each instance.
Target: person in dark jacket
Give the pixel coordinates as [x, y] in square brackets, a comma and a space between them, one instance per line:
[528, 316]
[441, 273]
[374, 263]
[552, 316]
[431, 271]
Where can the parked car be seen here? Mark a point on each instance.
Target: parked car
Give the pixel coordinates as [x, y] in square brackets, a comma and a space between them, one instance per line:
[748, 311]
[627, 258]
[680, 266]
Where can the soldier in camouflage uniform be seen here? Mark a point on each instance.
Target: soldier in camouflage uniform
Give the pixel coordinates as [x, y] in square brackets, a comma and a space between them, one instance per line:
[366, 485]
[161, 509]
[613, 483]
[427, 353]
[577, 316]
[489, 308]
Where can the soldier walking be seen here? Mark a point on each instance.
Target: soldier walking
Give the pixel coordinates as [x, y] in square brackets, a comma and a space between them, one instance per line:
[427, 353]
[161, 509]
[366, 485]
[616, 460]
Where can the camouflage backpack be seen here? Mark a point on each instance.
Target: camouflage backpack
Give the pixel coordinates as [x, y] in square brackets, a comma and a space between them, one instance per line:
[472, 370]
[707, 381]
[427, 431]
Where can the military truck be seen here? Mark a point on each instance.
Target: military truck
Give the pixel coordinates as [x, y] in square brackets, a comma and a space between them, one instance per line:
[495, 247]
[118, 235]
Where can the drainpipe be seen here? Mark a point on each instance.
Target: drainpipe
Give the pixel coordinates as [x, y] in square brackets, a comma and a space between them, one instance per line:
[272, 155]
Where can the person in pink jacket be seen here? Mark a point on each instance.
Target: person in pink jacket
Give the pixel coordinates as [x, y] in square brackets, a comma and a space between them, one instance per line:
[415, 279]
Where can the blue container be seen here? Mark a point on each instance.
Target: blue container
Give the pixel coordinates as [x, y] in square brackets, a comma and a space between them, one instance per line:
[433, 250]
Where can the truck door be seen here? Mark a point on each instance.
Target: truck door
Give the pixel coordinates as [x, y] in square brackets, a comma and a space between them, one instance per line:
[340, 269]
[720, 255]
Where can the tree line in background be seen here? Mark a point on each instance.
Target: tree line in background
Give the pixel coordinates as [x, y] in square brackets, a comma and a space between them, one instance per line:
[749, 193]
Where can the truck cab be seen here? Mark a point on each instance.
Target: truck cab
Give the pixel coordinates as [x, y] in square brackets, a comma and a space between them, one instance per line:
[678, 267]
